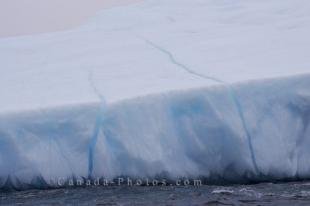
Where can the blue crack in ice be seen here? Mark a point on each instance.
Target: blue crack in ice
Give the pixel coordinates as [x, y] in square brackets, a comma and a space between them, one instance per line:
[230, 89]
[96, 131]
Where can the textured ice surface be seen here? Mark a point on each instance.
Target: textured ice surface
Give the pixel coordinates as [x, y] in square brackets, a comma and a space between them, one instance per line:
[218, 89]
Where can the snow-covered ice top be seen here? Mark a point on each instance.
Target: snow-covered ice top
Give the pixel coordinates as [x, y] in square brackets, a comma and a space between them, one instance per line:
[232, 41]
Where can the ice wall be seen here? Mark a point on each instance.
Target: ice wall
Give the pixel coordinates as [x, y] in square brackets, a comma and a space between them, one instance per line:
[189, 133]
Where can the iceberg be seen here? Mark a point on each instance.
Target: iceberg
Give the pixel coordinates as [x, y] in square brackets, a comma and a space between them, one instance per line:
[172, 88]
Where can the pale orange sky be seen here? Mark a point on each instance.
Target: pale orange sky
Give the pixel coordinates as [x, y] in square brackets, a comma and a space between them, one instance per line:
[23, 17]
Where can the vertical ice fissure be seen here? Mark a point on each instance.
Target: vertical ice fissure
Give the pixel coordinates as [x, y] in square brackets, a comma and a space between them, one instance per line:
[96, 131]
[229, 87]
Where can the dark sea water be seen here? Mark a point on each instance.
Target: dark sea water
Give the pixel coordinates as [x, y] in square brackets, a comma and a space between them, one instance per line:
[292, 193]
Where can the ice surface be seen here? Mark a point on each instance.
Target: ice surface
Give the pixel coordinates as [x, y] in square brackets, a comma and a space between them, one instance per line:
[218, 89]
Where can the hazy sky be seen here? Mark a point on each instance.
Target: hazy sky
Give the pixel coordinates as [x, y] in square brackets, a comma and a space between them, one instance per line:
[20, 17]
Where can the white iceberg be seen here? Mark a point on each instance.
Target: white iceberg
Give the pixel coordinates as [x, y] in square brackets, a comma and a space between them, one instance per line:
[185, 88]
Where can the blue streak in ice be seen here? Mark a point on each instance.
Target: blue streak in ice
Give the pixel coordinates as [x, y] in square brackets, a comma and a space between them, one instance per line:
[98, 124]
[230, 89]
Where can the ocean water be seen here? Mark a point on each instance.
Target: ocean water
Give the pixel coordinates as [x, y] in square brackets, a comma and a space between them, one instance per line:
[290, 193]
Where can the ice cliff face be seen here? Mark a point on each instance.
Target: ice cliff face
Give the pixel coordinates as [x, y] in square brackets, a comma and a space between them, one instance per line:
[181, 134]
[213, 89]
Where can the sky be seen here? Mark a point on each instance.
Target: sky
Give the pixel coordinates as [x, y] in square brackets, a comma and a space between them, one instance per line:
[25, 17]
